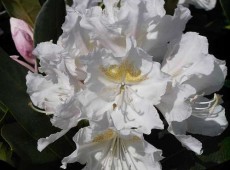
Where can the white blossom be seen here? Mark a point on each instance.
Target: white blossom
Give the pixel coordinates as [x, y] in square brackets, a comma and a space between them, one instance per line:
[88, 26]
[54, 91]
[113, 66]
[195, 74]
[100, 148]
[126, 87]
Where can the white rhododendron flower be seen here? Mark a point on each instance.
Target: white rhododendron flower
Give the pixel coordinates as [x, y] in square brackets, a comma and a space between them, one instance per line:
[123, 87]
[113, 66]
[100, 148]
[62, 78]
[87, 26]
[195, 74]
[204, 4]
[55, 91]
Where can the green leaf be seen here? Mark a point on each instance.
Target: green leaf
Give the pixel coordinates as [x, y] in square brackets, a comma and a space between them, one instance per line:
[13, 95]
[26, 10]
[42, 2]
[3, 112]
[3, 107]
[227, 83]
[221, 155]
[26, 147]
[6, 154]
[197, 166]
[49, 21]
[227, 27]
[216, 154]
[225, 4]
[69, 2]
[170, 6]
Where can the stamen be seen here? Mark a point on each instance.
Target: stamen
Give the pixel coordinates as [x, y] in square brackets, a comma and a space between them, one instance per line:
[38, 110]
[129, 158]
[107, 135]
[196, 97]
[106, 160]
[206, 109]
[122, 87]
[126, 72]
[217, 100]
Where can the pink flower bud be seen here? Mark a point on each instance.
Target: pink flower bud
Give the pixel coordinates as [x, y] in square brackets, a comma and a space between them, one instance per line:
[22, 35]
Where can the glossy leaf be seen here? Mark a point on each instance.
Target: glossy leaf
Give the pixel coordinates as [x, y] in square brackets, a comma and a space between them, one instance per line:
[49, 21]
[225, 4]
[69, 2]
[25, 146]
[26, 10]
[5, 116]
[6, 154]
[220, 156]
[42, 2]
[3, 112]
[214, 158]
[227, 83]
[36, 125]
[3, 107]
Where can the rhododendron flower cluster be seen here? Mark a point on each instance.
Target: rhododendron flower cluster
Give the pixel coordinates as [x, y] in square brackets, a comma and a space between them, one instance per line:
[117, 67]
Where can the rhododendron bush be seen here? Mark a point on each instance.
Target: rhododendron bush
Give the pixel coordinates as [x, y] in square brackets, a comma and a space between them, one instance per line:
[113, 84]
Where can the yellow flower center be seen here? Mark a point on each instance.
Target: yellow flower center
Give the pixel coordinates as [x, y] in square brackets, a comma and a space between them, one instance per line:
[107, 135]
[126, 72]
[111, 134]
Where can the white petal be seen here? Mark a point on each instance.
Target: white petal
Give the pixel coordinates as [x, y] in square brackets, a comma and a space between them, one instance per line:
[109, 150]
[132, 18]
[44, 142]
[168, 28]
[47, 94]
[143, 119]
[191, 143]
[200, 68]
[205, 4]
[155, 7]
[75, 39]
[84, 4]
[108, 36]
[211, 126]
[222, 65]
[184, 52]
[135, 17]
[174, 105]
[48, 51]
[208, 83]
[68, 114]
[93, 106]
[96, 81]
[156, 79]
[155, 85]
[110, 9]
